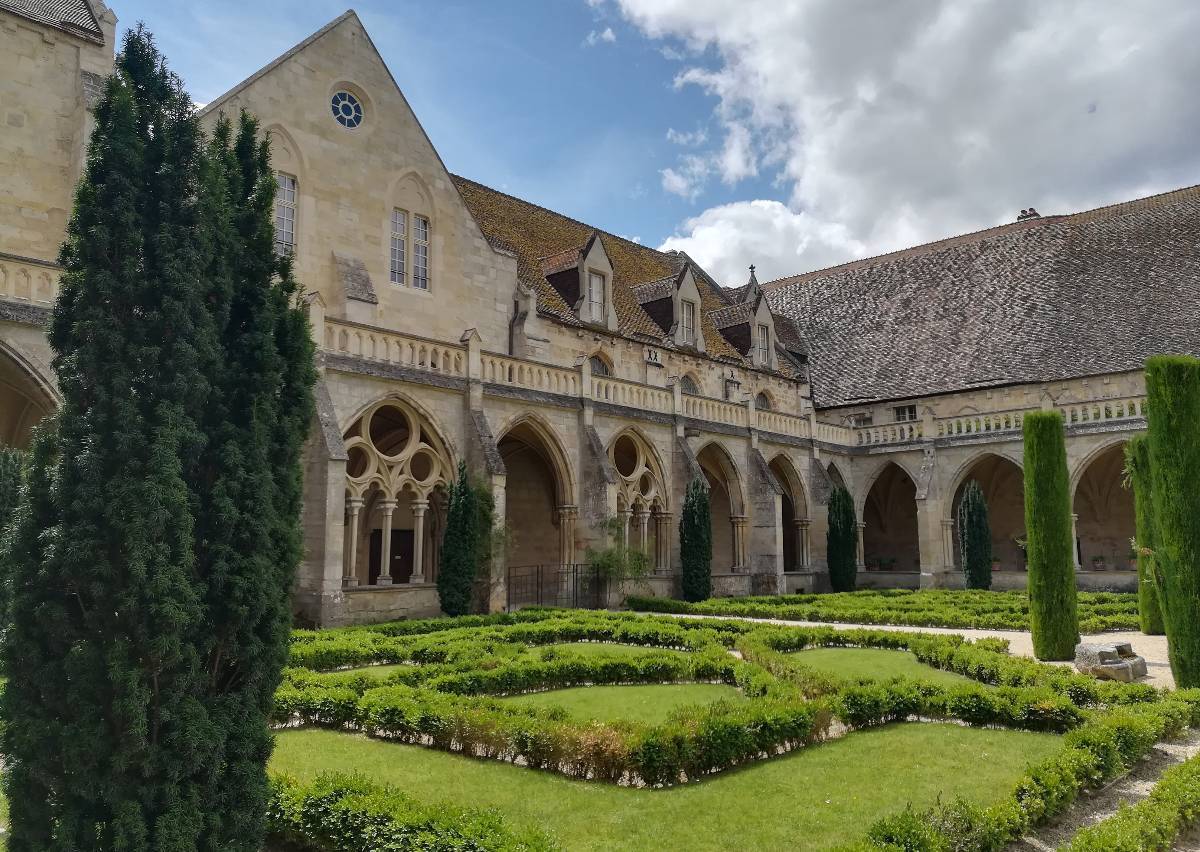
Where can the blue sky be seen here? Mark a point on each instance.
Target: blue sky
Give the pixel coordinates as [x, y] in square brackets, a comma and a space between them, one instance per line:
[790, 135]
[507, 92]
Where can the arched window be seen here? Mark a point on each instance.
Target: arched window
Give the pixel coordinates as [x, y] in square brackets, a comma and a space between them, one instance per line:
[599, 366]
[688, 385]
[762, 402]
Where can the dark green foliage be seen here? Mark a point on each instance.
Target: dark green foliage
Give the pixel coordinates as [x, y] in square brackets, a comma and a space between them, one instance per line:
[150, 617]
[1137, 467]
[1053, 617]
[695, 543]
[975, 537]
[339, 813]
[842, 541]
[1173, 391]
[460, 547]
[12, 465]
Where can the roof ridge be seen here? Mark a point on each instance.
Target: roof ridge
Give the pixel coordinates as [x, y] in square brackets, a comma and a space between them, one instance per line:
[1004, 227]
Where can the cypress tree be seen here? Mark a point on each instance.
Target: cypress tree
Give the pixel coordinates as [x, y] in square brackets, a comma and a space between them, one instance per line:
[456, 572]
[12, 462]
[1052, 593]
[1173, 395]
[247, 481]
[1137, 468]
[842, 541]
[695, 543]
[105, 721]
[975, 537]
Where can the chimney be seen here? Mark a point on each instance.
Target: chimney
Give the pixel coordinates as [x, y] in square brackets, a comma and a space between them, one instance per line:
[1028, 214]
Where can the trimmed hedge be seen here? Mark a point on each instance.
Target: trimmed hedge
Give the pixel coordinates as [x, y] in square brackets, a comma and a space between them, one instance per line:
[1153, 823]
[344, 813]
[1098, 611]
[1053, 618]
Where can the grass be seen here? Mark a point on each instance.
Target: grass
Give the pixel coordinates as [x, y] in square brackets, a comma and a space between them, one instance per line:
[814, 798]
[604, 648]
[650, 703]
[875, 664]
[379, 672]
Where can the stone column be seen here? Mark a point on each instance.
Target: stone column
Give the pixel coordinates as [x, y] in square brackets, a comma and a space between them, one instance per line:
[567, 516]
[803, 557]
[419, 507]
[1075, 542]
[643, 519]
[626, 516]
[948, 544]
[354, 507]
[860, 553]
[739, 540]
[386, 508]
[662, 537]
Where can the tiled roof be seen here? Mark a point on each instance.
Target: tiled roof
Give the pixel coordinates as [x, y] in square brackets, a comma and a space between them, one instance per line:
[1043, 299]
[663, 288]
[536, 235]
[732, 315]
[72, 16]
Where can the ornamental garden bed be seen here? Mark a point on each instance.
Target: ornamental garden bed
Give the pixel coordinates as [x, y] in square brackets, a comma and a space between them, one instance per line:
[964, 609]
[458, 731]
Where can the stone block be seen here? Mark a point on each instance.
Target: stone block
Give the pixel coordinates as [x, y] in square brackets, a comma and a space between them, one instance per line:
[1115, 661]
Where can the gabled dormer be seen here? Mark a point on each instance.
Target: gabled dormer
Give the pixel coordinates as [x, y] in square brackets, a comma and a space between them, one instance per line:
[583, 276]
[674, 304]
[749, 326]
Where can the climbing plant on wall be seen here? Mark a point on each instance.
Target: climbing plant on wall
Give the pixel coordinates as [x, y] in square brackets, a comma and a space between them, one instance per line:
[1173, 400]
[1052, 595]
[975, 537]
[695, 543]
[842, 541]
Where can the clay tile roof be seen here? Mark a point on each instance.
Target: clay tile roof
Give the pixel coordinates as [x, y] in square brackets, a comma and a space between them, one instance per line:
[72, 16]
[663, 288]
[567, 259]
[1043, 299]
[536, 234]
[742, 312]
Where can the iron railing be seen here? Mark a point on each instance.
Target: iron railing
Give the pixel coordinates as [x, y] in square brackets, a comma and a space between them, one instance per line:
[578, 586]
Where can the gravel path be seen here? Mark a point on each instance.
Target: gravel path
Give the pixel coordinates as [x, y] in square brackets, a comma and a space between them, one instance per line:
[1153, 648]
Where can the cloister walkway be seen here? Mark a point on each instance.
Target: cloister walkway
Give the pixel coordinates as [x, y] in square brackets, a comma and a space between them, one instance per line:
[1152, 648]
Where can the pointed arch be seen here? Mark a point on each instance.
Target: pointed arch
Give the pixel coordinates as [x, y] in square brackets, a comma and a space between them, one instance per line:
[547, 441]
[891, 540]
[1002, 480]
[795, 513]
[1104, 509]
[286, 153]
[640, 471]
[880, 470]
[727, 506]
[26, 397]
[836, 477]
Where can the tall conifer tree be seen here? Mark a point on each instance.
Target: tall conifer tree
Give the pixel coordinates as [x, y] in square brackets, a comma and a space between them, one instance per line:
[460, 547]
[1137, 469]
[842, 541]
[975, 536]
[695, 543]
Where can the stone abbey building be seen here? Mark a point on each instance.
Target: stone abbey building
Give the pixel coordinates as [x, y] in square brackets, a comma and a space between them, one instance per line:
[587, 377]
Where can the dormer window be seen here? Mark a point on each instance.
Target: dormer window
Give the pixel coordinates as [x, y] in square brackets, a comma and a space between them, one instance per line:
[688, 319]
[596, 297]
[762, 345]
[905, 413]
[687, 385]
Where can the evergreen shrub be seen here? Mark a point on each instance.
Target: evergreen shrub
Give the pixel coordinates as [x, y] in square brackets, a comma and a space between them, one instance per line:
[695, 543]
[842, 541]
[1137, 467]
[975, 537]
[1053, 617]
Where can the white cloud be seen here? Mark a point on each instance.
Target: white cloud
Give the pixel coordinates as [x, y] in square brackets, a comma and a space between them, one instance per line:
[725, 240]
[923, 118]
[687, 139]
[595, 37]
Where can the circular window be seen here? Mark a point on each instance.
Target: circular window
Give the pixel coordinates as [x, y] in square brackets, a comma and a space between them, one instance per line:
[346, 109]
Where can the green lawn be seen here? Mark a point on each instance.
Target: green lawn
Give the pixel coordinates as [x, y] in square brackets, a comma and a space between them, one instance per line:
[814, 798]
[608, 648]
[650, 703]
[876, 664]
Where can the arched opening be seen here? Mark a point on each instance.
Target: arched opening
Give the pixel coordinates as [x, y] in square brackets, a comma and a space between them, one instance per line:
[762, 402]
[24, 401]
[1003, 486]
[599, 366]
[537, 497]
[725, 508]
[642, 499]
[836, 479]
[397, 470]
[1105, 513]
[890, 538]
[796, 553]
[688, 386]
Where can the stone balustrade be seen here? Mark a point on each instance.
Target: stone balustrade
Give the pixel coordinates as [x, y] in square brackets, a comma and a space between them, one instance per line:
[715, 410]
[33, 282]
[1099, 411]
[391, 347]
[528, 375]
[781, 424]
[632, 394]
[889, 433]
[980, 424]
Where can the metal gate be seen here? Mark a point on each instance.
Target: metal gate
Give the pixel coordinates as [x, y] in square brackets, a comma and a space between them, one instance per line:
[578, 586]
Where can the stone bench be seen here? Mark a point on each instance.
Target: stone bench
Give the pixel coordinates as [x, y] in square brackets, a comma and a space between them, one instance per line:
[1115, 661]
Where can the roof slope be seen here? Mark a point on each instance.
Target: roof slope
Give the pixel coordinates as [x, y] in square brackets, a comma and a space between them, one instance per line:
[1037, 300]
[536, 234]
[72, 16]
